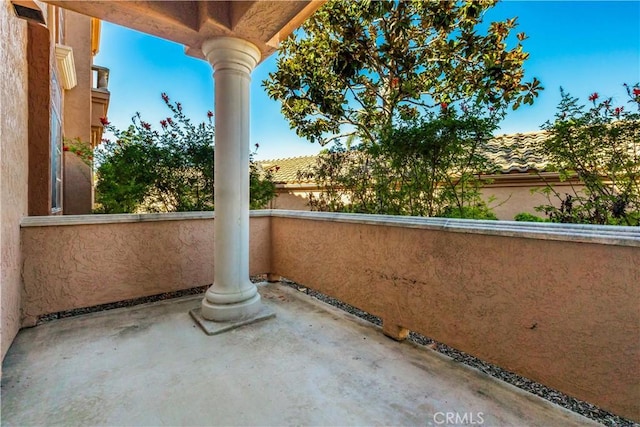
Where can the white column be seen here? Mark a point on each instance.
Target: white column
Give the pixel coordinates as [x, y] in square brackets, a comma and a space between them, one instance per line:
[232, 296]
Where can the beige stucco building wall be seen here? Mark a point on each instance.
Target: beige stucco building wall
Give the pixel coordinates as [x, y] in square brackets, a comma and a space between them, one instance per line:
[507, 195]
[291, 199]
[78, 192]
[506, 201]
[39, 63]
[13, 166]
[511, 198]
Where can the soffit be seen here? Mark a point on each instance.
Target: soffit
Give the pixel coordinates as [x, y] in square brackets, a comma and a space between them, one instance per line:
[263, 23]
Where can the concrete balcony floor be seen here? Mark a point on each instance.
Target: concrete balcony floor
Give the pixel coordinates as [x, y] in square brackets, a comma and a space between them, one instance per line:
[311, 365]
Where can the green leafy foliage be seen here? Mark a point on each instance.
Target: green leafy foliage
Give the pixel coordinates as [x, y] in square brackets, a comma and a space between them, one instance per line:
[600, 146]
[80, 148]
[357, 68]
[261, 187]
[166, 170]
[527, 217]
[423, 167]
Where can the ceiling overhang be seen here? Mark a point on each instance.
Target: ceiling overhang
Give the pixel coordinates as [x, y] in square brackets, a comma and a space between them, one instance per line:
[263, 23]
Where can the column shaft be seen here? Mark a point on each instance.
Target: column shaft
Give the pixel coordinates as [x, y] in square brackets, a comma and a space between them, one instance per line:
[232, 296]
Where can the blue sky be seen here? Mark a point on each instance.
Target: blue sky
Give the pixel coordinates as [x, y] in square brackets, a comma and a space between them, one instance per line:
[583, 46]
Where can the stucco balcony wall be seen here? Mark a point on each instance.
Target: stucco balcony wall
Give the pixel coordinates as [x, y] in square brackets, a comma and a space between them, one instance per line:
[86, 260]
[556, 303]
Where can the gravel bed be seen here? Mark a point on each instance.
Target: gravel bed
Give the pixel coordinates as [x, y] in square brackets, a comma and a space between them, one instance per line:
[120, 304]
[561, 399]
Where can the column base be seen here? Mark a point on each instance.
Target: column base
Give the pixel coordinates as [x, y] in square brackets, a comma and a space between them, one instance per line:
[231, 315]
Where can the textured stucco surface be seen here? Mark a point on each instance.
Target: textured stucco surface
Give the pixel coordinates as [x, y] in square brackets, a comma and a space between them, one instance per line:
[291, 200]
[78, 199]
[74, 266]
[13, 165]
[506, 200]
[509, 200]
[562, 313]
[39, 66]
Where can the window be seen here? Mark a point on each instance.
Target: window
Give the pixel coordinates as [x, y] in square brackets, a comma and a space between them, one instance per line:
[56, 145]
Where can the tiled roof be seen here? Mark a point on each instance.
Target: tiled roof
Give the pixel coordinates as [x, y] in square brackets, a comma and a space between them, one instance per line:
[517, 152]
[286, 170]
[510, 153]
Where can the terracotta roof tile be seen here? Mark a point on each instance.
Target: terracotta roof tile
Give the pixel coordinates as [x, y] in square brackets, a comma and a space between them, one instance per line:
[510, 153]
[286, 170]
[517, 152]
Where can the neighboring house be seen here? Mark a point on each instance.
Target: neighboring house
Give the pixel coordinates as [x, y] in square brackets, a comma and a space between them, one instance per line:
[51, 86]
[521, 170]
[84, 107]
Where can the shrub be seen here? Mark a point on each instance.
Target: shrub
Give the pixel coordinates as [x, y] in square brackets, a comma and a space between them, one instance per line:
[171, 169]
[527, 217]
[599, 145]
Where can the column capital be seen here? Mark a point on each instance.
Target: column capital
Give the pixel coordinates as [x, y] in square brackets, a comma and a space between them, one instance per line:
[231, 53]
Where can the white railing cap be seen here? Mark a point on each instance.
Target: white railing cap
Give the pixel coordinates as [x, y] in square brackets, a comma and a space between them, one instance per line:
[603, 234]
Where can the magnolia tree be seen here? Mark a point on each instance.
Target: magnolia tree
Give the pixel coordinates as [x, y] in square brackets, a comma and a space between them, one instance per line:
[599, 145]
[407, 90]
[356, 67]
[144, 168]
